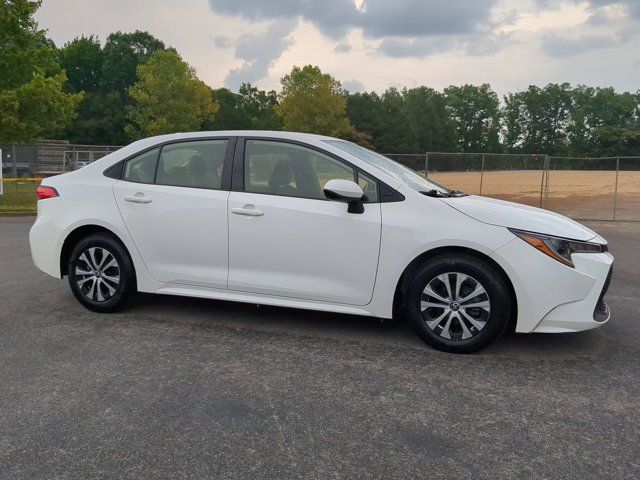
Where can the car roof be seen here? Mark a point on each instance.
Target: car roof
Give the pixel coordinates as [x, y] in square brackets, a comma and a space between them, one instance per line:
[241, 133]
[158, 139]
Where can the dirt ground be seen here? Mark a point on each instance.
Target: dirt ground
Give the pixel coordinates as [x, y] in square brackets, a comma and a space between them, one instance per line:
[577, 193]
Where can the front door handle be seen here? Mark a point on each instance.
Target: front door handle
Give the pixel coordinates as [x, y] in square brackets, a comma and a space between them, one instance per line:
[247, 210]
[137, 198]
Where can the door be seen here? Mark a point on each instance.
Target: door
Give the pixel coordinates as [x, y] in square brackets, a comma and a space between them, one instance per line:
[172, 202]
[287, 239]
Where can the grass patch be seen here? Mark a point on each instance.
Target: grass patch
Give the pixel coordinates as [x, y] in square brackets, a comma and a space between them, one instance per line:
[19, 197]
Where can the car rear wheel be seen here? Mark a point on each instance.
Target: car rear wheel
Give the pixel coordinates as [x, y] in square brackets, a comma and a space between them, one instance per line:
[101, 275]
[457, 303]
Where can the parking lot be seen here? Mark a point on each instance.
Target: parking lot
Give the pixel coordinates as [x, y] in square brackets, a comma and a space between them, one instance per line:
[188, 388]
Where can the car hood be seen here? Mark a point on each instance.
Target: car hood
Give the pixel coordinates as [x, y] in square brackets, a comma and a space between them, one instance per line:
[521, 217]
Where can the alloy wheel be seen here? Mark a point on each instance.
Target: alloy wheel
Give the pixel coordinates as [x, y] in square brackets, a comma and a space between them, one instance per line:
[455, 306]
[97, 274]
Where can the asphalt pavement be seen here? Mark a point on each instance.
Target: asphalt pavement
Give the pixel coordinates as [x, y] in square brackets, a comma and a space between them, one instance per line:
[189, 388]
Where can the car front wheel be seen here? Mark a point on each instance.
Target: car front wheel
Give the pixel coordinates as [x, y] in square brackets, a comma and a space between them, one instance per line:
[101, 275]
[457, 303]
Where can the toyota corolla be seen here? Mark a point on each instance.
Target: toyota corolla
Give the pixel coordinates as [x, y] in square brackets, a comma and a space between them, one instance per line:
[308, 221]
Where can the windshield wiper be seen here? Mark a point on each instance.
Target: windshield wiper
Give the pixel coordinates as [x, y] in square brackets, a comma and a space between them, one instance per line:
[438, 194]
[435, 193]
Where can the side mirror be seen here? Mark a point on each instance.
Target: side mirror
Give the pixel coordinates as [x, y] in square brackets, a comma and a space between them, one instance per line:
[345, 191]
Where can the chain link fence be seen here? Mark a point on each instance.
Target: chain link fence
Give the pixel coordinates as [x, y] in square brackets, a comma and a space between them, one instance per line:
[581, 188]
[23, 167]
[48, 158]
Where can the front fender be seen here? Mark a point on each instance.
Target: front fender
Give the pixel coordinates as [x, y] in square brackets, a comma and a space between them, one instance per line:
[408, 233]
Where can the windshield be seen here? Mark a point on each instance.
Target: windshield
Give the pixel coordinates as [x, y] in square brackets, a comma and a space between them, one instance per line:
[394, 169]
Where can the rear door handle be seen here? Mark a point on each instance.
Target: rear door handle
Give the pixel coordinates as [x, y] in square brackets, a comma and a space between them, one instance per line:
[247, 210]
[137, 198]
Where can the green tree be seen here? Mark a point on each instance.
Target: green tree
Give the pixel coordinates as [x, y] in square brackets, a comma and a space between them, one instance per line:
[101, 120]
[364, 111]
[32, 99]
[123, 52]
[412, 121]
[538, 120]
[596, 110]
[386, 119]
[24, 48]
[475, 113]
[35, 108]
[398, 130]
[168, 97]
[434, 128]
[250, 109]
[617, 142]
[312, 101]
[82, 60]
[361, 138]
[105, 74]
[230, 116]
[259, 106]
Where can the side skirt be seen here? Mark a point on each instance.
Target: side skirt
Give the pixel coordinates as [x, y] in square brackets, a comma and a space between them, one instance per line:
[373, 309]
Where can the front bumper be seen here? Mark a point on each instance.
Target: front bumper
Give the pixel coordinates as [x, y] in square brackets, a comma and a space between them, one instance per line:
[602, 312]
[554, 298]
[592, 312]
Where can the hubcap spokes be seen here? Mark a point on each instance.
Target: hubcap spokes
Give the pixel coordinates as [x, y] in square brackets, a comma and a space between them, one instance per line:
[455, 306]
[97, 274]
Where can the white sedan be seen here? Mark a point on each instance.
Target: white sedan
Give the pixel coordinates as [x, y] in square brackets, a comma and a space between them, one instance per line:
[308, 221]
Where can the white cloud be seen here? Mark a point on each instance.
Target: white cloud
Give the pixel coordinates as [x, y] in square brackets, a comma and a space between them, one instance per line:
[259, 51]
[508, 43]
[353, 86]
[342, 47]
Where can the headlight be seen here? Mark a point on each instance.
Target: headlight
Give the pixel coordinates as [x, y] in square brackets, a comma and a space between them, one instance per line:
[558, 248]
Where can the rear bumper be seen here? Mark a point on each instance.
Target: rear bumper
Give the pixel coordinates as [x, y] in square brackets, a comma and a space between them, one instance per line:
[46, 235]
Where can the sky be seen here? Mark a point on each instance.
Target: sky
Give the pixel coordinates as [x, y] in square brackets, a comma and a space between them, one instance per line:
[374, 44]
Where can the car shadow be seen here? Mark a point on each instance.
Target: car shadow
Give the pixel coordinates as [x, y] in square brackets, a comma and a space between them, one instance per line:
[205, 313]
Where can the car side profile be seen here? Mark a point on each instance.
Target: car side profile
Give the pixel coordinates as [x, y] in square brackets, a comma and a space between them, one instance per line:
[309, 221]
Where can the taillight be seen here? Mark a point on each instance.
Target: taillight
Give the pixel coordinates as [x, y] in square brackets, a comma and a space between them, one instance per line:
[46, 192]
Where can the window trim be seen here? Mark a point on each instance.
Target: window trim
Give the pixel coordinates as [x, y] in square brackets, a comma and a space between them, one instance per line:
[374, 179]
[227, 164]
[238, 185]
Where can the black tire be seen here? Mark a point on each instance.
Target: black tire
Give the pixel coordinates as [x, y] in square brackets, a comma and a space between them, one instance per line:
[107, 295]
[490, 320]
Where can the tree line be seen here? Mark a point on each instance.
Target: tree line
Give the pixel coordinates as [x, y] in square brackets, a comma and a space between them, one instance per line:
[134, 86]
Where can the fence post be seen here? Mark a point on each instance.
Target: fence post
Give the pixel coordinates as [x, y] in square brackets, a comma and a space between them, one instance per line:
[615, 192]
[426, 165]
[545, 168]
[14, 170]
[481, 174]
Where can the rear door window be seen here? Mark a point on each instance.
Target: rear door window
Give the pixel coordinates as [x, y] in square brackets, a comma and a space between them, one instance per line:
[141, 168]
[196, 164]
